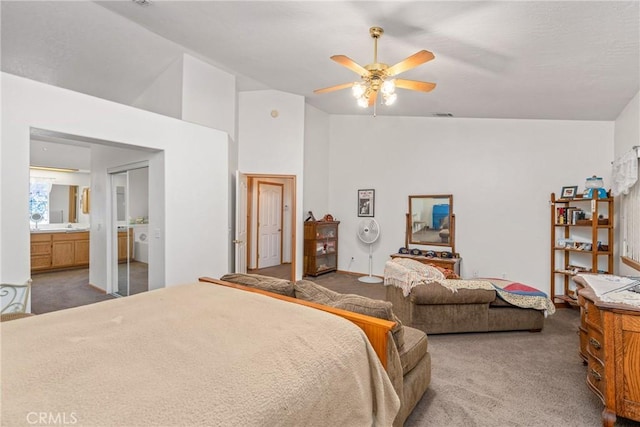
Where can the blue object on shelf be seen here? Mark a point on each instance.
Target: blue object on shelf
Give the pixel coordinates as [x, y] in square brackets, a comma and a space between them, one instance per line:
[601, 193]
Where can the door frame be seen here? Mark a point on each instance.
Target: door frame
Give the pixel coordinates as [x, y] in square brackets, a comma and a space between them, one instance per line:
[251, 179]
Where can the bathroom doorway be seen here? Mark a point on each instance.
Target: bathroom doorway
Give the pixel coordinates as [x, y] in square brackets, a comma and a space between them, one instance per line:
[129, 227]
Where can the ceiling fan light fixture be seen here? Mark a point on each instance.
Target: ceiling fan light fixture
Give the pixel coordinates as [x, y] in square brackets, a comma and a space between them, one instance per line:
[358, 89]
[388, 87]
[378, 77]
[390, 99]
[363, 101]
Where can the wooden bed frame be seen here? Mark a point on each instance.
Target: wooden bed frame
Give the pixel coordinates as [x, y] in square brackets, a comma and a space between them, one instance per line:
[374, 328]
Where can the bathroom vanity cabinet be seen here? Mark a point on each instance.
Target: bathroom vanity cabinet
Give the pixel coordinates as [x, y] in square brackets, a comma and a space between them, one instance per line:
[125, 245]
[52, 251]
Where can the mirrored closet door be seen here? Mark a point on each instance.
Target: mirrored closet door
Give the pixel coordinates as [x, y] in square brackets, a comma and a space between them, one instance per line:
[130, 217]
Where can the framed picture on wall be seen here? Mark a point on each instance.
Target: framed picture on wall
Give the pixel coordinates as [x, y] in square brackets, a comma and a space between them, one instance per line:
[366, 202]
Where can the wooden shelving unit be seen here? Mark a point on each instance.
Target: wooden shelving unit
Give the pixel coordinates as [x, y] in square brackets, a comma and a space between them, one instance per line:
[581, 241]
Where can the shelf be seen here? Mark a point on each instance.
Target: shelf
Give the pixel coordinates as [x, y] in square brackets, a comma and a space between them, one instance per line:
[567, 300]
[584, 227]
[583, 251]
[583, 199]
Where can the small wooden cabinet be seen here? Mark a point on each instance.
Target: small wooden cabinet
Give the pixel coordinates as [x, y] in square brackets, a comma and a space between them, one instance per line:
[610, 346]
[449, 263]
[40, 252]
[51, 251]
[320, 247]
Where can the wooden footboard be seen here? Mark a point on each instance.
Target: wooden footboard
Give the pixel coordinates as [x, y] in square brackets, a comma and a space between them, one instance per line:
[375, 329]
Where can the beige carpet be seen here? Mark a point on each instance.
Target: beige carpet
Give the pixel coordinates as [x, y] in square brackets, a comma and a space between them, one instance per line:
[479, 379]
[500, 378]
[53, 291]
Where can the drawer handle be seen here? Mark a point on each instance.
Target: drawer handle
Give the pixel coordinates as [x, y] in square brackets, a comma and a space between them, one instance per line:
[596, 375]
[594, 342]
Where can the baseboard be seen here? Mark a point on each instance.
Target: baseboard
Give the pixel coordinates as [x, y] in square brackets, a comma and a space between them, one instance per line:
[102, 291]
[352, 273]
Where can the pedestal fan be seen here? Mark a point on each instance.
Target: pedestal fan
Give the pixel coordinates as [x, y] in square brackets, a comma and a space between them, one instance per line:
[368, 232]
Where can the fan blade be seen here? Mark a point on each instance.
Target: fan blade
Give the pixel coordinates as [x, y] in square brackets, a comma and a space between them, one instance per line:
[410, 62]
[372, 97]
[332, 88]
[350, 64]
[415, 85]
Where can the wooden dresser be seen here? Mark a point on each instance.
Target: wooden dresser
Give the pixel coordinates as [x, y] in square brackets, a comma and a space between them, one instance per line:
[610, 345]
[450, 263]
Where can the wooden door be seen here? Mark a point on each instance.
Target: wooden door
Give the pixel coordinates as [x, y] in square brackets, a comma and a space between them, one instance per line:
[269, 224]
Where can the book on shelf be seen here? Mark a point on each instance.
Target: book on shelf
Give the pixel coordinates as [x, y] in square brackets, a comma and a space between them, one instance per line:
[569, 215]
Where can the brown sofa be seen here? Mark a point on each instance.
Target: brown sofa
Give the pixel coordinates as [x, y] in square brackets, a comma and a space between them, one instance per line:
[435, 309]
[408, 359]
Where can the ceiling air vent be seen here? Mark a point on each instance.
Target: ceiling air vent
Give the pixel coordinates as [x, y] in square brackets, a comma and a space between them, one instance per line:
[442, 115]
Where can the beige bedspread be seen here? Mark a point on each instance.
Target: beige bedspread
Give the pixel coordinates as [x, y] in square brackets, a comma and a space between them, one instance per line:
[189, 355]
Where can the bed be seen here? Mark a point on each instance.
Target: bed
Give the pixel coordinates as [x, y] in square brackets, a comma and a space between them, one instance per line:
[195, 354]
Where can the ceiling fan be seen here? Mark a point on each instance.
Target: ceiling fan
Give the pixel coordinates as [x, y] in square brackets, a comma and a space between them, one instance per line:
[377, 77]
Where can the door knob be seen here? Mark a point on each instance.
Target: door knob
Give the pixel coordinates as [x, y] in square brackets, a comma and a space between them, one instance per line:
[237, 241]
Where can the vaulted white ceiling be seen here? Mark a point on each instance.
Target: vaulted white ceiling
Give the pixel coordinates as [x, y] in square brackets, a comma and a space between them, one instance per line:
[493, 59]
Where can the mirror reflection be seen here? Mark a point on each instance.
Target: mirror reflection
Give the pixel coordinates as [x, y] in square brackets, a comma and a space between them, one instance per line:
[430, 220]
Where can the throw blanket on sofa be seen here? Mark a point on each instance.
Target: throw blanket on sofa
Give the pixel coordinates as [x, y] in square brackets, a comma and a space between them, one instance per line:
[408, 273]
[195, 354]
[514, 293]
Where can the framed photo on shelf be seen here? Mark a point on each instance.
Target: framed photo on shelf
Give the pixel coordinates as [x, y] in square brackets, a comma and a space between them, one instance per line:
[366, 202]
[569, 192]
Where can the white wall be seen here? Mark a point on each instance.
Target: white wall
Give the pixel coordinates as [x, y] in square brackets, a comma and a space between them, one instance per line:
[274, 145]
[316, 162]
[194, 164]
[194, 91]
[627, 135]
[500, 173]
[164, 95]
[208, 96]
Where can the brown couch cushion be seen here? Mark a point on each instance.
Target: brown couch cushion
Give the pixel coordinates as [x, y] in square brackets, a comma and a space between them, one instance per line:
[434, 293]
[310, 291]
[414, 348]
[266, 283]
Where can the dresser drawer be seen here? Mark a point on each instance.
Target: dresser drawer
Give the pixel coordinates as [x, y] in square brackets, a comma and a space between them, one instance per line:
[594, 317]
[595, 376]
[595, 344]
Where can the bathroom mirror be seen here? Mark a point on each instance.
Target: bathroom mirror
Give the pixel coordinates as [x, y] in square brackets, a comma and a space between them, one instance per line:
[430, 220]
[63, 204]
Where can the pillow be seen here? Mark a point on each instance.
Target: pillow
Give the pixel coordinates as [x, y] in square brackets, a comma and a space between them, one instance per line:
[363, 305]
[448, 273]
[310, 291]
[427, 271]
[258, 281]
[374, 308]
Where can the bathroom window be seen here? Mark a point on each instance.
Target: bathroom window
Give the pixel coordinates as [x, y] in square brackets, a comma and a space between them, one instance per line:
[39, 200]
